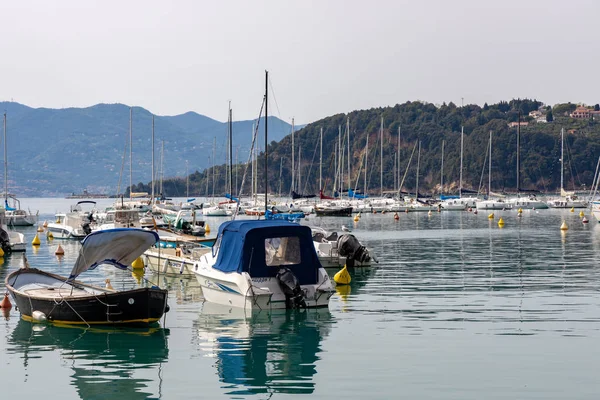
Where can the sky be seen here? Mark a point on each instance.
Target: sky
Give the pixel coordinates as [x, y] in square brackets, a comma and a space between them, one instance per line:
[324, 57]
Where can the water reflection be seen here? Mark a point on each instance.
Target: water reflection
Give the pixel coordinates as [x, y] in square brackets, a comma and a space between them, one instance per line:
[264, 352]
[103, 361]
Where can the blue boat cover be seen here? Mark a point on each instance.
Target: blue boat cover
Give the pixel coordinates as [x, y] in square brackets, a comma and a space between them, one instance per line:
[7, 207]
[284, 216]
[241, 247]
[352, 194]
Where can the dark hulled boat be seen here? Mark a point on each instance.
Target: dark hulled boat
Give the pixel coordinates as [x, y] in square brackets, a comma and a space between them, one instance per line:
[43, 296]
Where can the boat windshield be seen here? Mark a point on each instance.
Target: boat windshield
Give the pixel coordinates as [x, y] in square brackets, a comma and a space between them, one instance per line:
[282, 251]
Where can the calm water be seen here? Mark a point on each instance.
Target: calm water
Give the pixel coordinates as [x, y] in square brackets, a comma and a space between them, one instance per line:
[458, 308]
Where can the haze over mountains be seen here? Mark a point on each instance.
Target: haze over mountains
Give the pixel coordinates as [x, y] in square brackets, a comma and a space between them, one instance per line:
[53, 152]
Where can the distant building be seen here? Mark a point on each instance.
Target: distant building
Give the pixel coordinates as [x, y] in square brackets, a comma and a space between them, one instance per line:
[535, 114]
[541, 119]
[572, 131]
[516, 124]
[581, 113]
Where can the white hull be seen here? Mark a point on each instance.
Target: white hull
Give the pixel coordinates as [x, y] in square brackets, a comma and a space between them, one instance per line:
[20, 219]
[567, 203]
[171, 261]
[528, 204]
[64, 232]
[240, 290]
[596, 210]
[493, 205]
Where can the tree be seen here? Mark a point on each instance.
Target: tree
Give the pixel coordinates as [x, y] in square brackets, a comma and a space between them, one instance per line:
[549, 116]
[597, 107]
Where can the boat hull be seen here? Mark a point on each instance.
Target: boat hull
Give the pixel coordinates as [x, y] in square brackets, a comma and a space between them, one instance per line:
[333, 211]
[136, 307]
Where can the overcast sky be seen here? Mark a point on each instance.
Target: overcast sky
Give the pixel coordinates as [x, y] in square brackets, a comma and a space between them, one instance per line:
[324, 57]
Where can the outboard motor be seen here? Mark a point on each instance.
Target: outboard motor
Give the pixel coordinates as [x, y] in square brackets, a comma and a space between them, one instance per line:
[86, 228]
[349, 247]
[5, 241]
[294, 297]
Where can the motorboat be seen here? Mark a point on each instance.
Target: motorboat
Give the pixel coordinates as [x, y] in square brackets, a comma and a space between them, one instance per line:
[173, 255]
[335, 251]
[43, 296]
[263, 264]
[332, 209]
[568, 201]
[10, 240]
[530, 202]
[120, 217]
[75, 224]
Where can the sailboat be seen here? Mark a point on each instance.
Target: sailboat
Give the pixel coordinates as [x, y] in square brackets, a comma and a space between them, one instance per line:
[566, 199]
[14, 215]
[264, 264]
[459, 203]
[497, 203]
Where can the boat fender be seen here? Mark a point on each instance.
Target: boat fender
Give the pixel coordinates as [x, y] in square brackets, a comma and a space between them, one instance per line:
[167, 308]
[38, 316]
[165, 266]
[182, 267]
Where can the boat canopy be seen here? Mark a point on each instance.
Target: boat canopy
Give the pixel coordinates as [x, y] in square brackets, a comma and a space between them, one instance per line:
[243, 246]
[118, 247]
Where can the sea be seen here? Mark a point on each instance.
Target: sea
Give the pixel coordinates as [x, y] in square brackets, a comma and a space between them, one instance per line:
[458, 307]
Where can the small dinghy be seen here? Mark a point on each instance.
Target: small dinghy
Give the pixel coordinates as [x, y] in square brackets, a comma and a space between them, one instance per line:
[42, 296]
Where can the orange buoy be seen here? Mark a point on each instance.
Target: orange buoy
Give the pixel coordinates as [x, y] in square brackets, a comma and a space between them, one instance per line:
[5, 303]
[59, 251]
[45, 224]
[374, 211]
[40, 229]
[396, 216]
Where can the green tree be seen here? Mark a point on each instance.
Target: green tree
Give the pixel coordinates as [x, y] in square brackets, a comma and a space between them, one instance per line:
[597, 107]
[549, 116]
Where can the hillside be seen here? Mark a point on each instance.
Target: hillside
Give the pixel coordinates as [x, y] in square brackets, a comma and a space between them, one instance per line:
[431, 124]
[60, 151]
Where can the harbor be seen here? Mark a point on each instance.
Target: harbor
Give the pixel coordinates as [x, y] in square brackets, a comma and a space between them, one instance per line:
[456, 303]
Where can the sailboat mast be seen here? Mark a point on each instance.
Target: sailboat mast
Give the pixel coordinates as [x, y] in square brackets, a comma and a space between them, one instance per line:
[490, 167]
[130, 152]
[366, 164]
[321, 163]
[381, 159]
[214, 167]
[252, 167]
[266, 138]
[418, 165]
[230, 151]
[518, 152]
[442, 170]
[162, 165]
[5, 165]
[461, 161]
[280, 174]
[340, 163]
[152, 177]
[398, 159]
[348, 133]
[562, 143]
[299, 164]
[293, 161]
[187, 181]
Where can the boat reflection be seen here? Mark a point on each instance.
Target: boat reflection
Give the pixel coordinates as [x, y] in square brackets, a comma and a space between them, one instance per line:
[120, 357]
[266, 351]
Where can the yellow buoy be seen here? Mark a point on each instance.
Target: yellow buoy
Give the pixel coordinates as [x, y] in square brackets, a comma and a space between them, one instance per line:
[1, 252]
[500, 222]
[342, 277]
[520, 210]
[59, 251]
[137, 263]
[572, 209]
[491, 216]
[40, 229]
[36, 240]
[138, 274]
[581, 214]
[207, 229]
[45, 224]
[49, 235]
[564, 226]
[356, 218]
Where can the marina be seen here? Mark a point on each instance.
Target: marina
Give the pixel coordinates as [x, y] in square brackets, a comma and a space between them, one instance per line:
[456, 305]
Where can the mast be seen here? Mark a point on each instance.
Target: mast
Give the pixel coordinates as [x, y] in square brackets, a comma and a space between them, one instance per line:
[340, 163]
[418, 164]
[299, 169]
[230, 152]
[293, 161]
[280, 173]
[214, 167]
[442, 171]
[5, 165]
[321, 163]
[381, 159]
[252, 167]
[398, 159]
[366, 164]
[348, 132]
[518, 152]
[130, 152]
[461, 161]
[266, 133]
[490, 167]
[562, 143]
[187, 181]
[152, 177]
[162, 164]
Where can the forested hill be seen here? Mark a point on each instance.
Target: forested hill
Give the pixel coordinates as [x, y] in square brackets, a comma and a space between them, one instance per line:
[540, 147]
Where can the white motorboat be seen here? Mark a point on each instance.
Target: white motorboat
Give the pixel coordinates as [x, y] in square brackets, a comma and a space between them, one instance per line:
[172, 255]
[75, 224]
[530, 202]
[335, 251]
[262, 264]
[494, 204]
[10, 240]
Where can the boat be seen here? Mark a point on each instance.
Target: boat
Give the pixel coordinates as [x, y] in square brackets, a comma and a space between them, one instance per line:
[15, 216]
[458, 203]
[332, 209]
[566, 199]
[264, 264]
[10, 240]
[173, 255]
[120, 217]
[75, 224]
[493, 201]
[335, 251]
[43, 296]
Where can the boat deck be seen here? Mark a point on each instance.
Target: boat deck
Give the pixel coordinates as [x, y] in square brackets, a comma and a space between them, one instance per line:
[56, 292]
